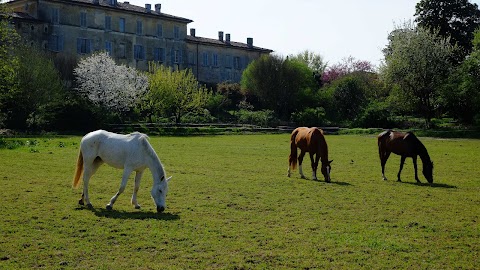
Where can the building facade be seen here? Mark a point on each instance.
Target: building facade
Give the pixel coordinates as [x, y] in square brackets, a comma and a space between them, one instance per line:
[132, 35]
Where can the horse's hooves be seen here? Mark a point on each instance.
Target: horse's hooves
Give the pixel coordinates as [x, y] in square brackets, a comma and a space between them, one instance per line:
[81, 202]
[399, 180]
[89, 206]
[303, 177]
[109, 207]
[137, 207]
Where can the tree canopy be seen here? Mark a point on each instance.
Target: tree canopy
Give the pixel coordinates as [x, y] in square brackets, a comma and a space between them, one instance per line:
[457, 19]
[418, 61]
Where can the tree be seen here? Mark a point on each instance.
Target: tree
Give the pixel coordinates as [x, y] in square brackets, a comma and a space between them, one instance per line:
[110, 86]
[418, 62]
[457, 19]
[461, 95]
[346, 66]
[174, 93]
[8, 60]
[313, 60]
[276, 82]
[28, 102]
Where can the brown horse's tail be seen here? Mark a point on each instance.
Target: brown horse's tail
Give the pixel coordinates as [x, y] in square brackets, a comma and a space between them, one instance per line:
[292, 159]
[78, 170]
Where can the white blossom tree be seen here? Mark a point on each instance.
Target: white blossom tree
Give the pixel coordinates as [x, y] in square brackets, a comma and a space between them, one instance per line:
[114, 87]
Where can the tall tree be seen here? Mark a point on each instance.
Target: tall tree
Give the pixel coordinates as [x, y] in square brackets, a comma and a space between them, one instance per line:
[8, 60]
[418, 61]
[457, 19]
[276, 82]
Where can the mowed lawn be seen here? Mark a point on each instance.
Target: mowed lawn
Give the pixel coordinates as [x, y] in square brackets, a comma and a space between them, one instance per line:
[231, 206]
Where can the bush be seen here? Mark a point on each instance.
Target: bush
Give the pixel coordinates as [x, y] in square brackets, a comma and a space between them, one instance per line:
[311, 117]
[376, 115]
[263, 118]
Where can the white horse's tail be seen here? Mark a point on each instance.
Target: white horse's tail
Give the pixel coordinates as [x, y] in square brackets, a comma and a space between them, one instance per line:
[78, 170]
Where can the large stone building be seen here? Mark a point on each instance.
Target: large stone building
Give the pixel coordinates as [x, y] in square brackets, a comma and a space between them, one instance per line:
[132, 35]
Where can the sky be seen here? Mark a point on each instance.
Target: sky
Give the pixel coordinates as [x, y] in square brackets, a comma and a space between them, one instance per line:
[335, 29]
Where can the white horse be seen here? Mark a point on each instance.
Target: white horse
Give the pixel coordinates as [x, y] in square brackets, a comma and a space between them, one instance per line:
[130, 152]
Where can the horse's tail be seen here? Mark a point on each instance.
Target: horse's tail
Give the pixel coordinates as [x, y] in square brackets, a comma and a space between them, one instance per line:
[292, 159]
[78, 170]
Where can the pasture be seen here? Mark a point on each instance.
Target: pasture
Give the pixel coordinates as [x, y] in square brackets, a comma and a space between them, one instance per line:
[231, 206]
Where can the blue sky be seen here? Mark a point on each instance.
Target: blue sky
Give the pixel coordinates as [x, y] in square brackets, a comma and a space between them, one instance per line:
[334, 29]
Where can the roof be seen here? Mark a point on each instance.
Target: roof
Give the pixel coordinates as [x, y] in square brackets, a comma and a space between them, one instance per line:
[23, 16]
[126, 6]
[211, 41]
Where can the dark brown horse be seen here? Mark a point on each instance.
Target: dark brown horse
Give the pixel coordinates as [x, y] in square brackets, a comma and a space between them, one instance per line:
[309, 140]
[404, 145]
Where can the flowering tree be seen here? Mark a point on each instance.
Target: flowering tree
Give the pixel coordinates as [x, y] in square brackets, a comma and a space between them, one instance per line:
[109, 85]
[347, 66]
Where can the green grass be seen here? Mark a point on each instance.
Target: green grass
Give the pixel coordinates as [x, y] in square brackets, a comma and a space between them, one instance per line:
[231, 206]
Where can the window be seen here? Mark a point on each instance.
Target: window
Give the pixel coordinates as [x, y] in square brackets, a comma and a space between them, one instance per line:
[191, 58]
[83, 19]
[236, 63]
[159, 30]
[215, 60]
[121, 24]
[108, 23]
[205, 59]
[139, 28]
[122, 52]
[108, 47]
[55, 43]
[138, 52]
[176, 32]
[84, 46]
[228, 61]
[55, 15]
[159, 54]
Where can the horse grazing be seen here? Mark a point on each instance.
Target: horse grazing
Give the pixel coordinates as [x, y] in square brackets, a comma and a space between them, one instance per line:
[309, 140]
[131, 153]
[404, 145]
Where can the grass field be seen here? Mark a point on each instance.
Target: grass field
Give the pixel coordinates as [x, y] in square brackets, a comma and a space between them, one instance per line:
[231, 206]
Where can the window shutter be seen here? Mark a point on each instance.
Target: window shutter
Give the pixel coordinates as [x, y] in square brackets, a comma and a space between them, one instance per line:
[79, 45]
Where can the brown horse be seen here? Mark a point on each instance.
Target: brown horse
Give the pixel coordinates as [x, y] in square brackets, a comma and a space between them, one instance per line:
[404, 145]
[309, 140]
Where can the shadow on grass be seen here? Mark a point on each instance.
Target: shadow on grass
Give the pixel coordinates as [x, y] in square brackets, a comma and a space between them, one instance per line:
[434, 185]
[100, 212]
[332, 182]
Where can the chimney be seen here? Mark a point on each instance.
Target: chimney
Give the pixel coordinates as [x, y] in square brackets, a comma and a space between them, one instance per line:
[227, 38]
[220, 36]
[158, 7]
[250, 42]
[148, 8]
[192, 32]
[126, 3]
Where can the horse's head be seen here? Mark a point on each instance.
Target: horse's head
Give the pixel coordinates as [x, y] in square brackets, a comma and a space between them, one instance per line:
[326, 169]
[428, 171]
[159, 193]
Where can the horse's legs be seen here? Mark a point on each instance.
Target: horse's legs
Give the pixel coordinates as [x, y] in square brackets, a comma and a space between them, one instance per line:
[89, 169]
[300, 161]
[415, 167]
[383, 160]
[138, 177]
[126, 174]
[314, 165]
[402, 161]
